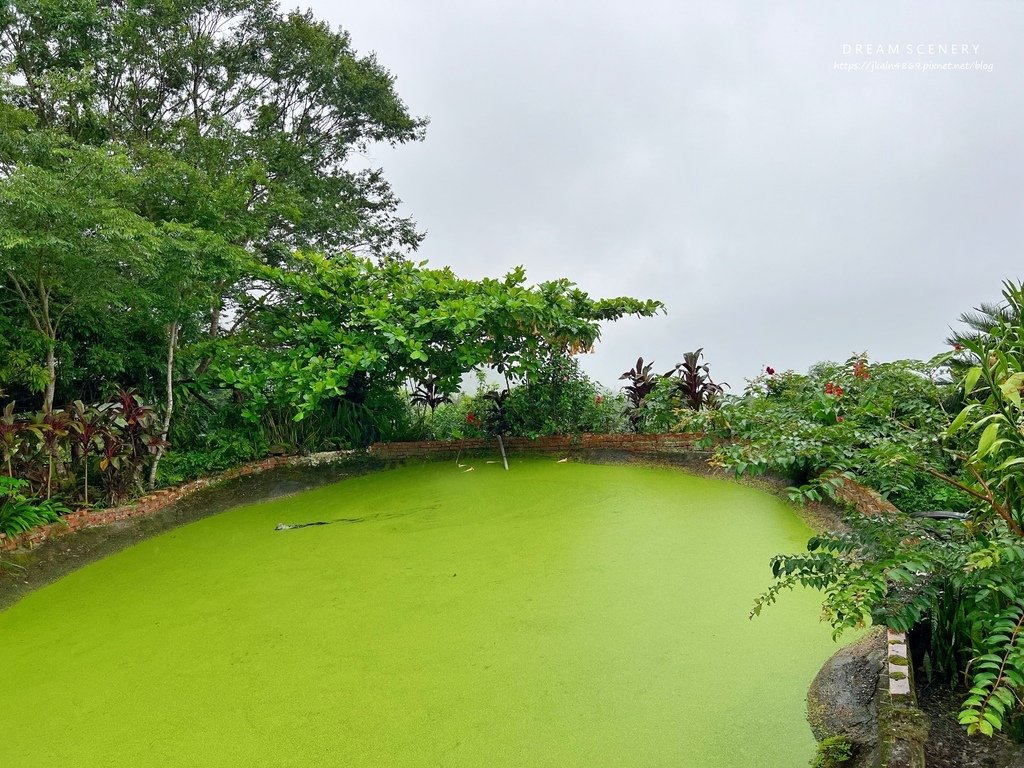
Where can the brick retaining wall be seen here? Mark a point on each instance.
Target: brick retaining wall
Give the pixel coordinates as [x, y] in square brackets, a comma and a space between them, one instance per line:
[663, 443]
[864, 499]
[154, 502]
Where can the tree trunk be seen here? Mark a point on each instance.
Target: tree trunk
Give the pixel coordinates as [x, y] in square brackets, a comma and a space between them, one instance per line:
[38, 309]
[169, 406]
[51, 377]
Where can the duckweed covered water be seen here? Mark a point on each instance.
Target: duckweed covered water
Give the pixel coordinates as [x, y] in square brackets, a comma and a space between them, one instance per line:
[553, 615]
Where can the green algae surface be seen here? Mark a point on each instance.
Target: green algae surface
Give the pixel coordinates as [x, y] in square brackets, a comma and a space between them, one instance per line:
[558, 614]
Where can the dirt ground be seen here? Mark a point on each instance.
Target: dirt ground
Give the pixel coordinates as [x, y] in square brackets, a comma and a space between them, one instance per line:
[948, 744]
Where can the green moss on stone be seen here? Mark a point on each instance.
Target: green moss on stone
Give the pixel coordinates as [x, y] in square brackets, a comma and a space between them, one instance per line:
[832, 752]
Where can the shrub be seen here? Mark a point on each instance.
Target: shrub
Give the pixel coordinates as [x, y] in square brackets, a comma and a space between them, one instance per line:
[561, 401]
[223, 450]
[879, 423]
[19, 512]
[655, 401]
[963, 581]
[59, 454]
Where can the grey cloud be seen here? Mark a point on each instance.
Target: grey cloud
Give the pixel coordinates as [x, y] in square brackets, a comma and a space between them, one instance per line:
[712, 156]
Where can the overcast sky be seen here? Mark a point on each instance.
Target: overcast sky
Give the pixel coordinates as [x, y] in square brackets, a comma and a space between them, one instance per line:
[729, 159]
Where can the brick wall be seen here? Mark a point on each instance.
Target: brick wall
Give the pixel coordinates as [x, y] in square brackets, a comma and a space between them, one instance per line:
[863, 499]
[664, 443]
[154, 502]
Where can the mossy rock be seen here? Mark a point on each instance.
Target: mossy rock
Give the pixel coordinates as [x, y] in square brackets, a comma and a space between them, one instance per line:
[842, 702]
[909, 723]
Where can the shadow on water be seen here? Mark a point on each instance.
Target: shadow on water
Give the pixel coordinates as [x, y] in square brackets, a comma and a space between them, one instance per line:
[23, 572]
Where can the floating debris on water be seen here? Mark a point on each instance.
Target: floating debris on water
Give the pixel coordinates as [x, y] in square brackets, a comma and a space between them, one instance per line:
[286, 527]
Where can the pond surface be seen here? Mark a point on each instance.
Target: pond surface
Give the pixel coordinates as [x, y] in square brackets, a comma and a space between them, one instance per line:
[559, 614]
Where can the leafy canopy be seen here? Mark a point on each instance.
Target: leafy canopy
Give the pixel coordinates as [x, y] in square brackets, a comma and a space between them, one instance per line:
[347, 322]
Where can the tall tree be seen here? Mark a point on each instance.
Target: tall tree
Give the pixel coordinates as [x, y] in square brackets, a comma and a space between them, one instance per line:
[69, 239]
[241, 121]
[272, 103]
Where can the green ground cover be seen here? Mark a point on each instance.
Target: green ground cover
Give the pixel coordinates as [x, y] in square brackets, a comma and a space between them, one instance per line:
[552, 615]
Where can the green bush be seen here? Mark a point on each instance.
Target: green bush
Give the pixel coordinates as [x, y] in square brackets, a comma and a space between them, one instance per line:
[879, 423]
[963, 581]
[560, 401]
[19, 512]
[223, 450]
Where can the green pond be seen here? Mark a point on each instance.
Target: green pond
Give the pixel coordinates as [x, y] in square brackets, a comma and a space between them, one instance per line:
[558, 614]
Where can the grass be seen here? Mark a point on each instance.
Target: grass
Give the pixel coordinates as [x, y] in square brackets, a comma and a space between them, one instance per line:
[553, 615]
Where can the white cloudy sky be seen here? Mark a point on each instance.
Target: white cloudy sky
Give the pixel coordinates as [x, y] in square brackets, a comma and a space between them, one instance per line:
[717, 156]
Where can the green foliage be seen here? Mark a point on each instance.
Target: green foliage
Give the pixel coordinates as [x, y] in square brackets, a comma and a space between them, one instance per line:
[59, 453]
[224, 450]
[832, 752]
[992, 427]
[655, 400]
[964, 581]
[347, 325]
[559, 399]
[451, 421]
[264, 116]
[963, 584]
[19, 512]
[878, 423]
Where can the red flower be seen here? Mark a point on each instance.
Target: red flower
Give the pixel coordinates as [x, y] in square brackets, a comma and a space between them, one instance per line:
[860, 370]
[839, 419]
[833, 389]
[471, 418]
[770, 371]
[598, 399]
[958, 347]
